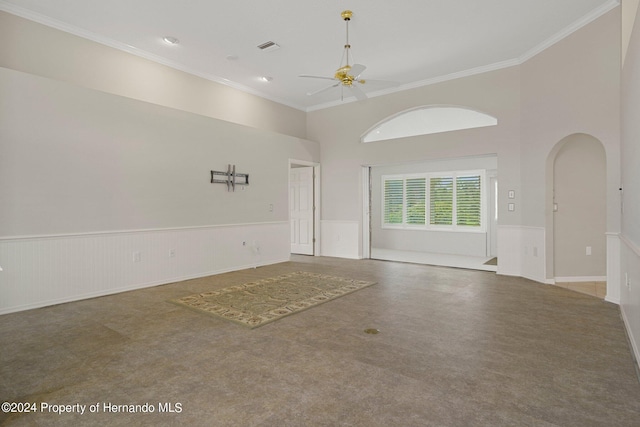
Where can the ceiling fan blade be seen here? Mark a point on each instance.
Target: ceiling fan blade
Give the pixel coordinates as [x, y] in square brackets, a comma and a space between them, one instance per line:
[323, 89]
[316, 77]
[356, 70]
[381, 82]
[358, 93]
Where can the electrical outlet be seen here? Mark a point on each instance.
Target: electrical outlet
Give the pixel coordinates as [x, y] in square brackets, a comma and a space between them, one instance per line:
[172, 253]
[244, 243]
[137, 256]
[588, 251]
[535, 251]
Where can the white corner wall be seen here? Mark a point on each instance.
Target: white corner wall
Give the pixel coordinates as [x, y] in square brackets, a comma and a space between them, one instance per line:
[521, 252]
[340, 239]
[629, 273]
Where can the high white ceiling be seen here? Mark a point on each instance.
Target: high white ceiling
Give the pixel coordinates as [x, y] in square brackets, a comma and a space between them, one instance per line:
[412, 42]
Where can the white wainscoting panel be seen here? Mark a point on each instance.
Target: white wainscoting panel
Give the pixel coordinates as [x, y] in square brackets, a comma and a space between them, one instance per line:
[629, 288]
[521, 252]
[340, 239]
[509, 250]
[46, 270]
[613, 268]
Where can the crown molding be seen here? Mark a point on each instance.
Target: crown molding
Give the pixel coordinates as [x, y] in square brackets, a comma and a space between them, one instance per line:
[50, 22]
[567, 31]
[421, 83]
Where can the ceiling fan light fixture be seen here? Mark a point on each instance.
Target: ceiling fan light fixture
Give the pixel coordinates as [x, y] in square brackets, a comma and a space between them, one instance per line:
[347, 75]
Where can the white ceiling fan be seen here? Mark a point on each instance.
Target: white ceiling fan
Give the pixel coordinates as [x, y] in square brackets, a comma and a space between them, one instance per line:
[347, 75]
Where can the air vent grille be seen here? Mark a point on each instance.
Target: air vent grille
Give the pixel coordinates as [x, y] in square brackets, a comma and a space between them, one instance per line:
[268, 46]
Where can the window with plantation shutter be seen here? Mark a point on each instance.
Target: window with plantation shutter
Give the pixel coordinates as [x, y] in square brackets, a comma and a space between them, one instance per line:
[439, 201]
[393, 201]
[416, 200]
[468, 201]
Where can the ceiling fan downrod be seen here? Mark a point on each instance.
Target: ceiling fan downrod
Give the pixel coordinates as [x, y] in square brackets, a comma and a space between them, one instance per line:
[346, 16]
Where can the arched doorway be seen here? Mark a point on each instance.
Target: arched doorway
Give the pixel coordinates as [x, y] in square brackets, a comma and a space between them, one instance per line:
[577, 202]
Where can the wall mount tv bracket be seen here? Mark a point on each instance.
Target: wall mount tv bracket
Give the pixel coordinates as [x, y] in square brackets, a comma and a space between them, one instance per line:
[230, 178]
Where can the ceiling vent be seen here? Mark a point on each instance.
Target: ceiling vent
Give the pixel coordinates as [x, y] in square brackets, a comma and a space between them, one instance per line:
[268, 46]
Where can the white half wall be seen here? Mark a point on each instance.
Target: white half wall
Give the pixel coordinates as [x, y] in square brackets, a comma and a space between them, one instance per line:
[521, 252]
[47, 270]
[630, 292]
[613, 268]
[340, 239]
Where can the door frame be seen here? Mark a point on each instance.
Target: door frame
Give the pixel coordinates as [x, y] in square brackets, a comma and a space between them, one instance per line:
[492, 212]
[316, 199]
[367, 196]
[366, 212]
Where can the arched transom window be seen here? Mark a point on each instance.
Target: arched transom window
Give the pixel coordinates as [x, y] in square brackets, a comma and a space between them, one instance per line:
[427, 120]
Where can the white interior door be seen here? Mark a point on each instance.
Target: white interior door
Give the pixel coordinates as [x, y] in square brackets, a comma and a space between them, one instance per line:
[301, 210]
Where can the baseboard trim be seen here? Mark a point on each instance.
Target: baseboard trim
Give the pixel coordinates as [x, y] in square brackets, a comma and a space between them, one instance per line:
[615, 301]
[572, 279]
[635, 350]
[532, 278]
[133, 231]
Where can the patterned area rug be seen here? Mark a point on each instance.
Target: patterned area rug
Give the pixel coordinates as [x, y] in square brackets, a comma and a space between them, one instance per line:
[257, 303]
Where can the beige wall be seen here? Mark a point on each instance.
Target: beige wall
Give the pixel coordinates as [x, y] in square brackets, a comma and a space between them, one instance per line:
[572, 87]
[40, 50]
[579, 192]
[629, 11]
[105, 163]
[76, 160]
[339, 130]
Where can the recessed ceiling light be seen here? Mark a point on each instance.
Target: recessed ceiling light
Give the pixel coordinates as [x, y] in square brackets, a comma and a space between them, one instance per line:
[170, 40]
[232, 57]
[266, 79]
